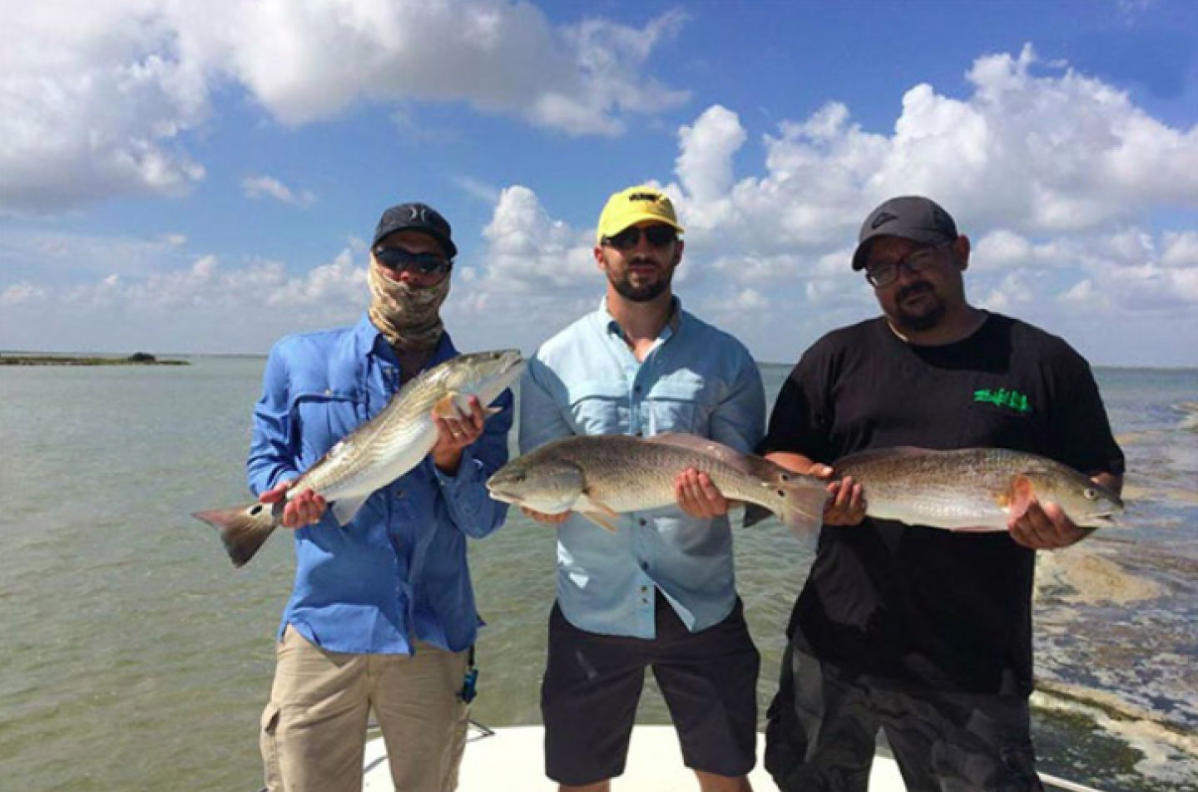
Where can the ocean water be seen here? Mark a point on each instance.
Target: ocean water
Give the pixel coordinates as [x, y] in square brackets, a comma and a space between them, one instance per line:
[135, 657]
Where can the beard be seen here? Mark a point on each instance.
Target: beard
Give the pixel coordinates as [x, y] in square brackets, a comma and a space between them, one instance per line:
[927, 316]
[646, 292]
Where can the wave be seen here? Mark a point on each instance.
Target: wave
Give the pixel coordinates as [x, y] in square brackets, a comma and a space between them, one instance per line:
[1189, 410]
[1167, 750]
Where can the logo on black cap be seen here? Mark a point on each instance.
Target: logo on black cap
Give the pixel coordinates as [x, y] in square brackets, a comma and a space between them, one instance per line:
[882, 219]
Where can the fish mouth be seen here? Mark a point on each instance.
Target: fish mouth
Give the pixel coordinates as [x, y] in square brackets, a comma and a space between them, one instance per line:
[497, 493]
[510, 362]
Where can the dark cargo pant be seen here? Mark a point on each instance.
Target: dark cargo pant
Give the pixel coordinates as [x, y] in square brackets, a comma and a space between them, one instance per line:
[824, 721]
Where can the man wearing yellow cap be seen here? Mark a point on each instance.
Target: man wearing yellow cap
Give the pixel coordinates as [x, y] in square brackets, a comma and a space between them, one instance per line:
[659, 590]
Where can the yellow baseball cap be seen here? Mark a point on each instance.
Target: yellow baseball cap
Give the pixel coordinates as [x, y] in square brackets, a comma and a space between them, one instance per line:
[635, 205]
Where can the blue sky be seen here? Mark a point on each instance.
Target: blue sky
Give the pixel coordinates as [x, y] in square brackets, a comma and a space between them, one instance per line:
[202, 177]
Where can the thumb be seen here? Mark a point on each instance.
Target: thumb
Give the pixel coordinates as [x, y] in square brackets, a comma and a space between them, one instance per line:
[276, 493]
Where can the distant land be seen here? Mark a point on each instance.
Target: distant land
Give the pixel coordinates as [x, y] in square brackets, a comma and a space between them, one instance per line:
[136, 359]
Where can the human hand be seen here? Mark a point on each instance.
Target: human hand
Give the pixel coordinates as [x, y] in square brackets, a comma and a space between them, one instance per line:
[1045, 527]
[846, 499]
[299, 511]
[454, 433]
[698, 496]
[543, 518]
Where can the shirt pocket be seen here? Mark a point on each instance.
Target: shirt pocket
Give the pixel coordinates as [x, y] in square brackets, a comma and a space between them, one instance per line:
[598, 407]
[321, 418]
[676, 405]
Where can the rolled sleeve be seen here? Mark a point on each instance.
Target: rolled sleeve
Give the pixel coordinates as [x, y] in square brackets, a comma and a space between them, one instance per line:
[469, 505]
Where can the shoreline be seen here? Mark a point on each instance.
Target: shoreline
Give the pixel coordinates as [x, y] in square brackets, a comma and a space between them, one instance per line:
[67, 360]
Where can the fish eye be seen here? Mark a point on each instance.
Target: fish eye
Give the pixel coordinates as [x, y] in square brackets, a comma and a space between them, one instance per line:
[784, 476]
[781, 493]
[256, 510]
[1090, 493]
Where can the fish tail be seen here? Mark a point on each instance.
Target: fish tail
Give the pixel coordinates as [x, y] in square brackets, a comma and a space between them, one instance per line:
[798, 501]
[242, 529]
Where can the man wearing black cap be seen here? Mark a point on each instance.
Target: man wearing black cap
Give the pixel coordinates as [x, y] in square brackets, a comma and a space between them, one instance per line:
[924, 633]
[382, 616]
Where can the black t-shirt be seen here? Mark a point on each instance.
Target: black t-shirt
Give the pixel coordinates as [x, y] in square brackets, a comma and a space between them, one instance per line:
[923, 605]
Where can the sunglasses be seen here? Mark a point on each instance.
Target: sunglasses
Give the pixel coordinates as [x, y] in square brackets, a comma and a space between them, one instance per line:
[884, 273]
[398, 260]
[656, 235]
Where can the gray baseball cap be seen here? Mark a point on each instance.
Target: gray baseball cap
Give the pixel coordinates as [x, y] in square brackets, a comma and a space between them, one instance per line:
[910, 217]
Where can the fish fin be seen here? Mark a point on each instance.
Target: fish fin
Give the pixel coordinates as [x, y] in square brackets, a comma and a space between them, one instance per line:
[597, 512]
[344, 509]
[861, 457]
[755, 514]
[243, 529]
[701, 445]
[600, 519]
[1022, 494]
[749, 464]
[799, 501]
[449, 406]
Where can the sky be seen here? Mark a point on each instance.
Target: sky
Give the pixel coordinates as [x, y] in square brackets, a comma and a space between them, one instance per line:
[205, 177]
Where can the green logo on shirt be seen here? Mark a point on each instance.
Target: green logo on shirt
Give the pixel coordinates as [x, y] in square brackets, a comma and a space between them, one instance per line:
[1011, 399]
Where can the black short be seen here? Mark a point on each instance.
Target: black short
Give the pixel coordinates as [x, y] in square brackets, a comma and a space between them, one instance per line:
[593, 682]
[823, 727]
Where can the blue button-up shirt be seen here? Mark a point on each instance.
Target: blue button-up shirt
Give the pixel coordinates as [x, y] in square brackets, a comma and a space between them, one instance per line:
[696, 379]
[397, 571]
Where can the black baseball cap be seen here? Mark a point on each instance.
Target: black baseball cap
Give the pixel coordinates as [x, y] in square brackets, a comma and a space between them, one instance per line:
[416, 217]
[910, 217]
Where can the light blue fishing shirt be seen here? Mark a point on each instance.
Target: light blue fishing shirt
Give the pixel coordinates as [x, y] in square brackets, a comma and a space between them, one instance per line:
[396, 572]
[697, 379]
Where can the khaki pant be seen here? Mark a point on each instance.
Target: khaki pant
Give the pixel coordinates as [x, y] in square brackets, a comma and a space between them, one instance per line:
[314, 728]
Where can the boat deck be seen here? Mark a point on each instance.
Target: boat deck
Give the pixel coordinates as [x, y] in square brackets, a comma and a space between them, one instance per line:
[511, 760]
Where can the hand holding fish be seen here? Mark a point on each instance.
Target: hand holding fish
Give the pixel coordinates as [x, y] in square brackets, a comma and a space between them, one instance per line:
[846, 499]
[1046, 527]
[454, 433]
[698, 496]
[302, 510]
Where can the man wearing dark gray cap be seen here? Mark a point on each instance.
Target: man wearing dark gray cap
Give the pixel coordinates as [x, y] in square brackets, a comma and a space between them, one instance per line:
[382, 617]
[922, 632]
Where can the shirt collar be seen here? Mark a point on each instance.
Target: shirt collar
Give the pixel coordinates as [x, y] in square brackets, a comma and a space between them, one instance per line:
[671, 328]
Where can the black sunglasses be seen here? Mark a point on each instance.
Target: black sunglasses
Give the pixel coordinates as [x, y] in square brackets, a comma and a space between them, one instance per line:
[656, 235]
[398, 260]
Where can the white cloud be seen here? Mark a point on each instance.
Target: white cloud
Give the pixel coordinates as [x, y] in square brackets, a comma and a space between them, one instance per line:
[1037, 164]
[97, 100]
[259, 186]
[206, 306]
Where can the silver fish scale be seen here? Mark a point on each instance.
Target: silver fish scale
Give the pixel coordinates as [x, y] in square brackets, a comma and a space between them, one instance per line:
[966, 488]
[628, 474]
[398, 438]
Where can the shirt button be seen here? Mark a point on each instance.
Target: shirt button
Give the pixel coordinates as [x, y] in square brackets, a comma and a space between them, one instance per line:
[399, 492]
[643, 522]
[328, 391]
[636, 389]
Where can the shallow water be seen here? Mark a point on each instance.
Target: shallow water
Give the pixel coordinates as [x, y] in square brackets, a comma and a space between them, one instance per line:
[137, 657]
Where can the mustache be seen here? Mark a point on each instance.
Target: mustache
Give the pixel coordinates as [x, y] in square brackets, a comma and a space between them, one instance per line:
[913, 289]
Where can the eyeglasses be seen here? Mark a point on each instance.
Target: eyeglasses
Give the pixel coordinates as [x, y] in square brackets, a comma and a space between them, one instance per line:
[885, 273]
[656, 235]
[398, 260]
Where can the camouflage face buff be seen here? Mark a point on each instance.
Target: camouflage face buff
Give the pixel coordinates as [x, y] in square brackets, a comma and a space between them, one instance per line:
[408, 316]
